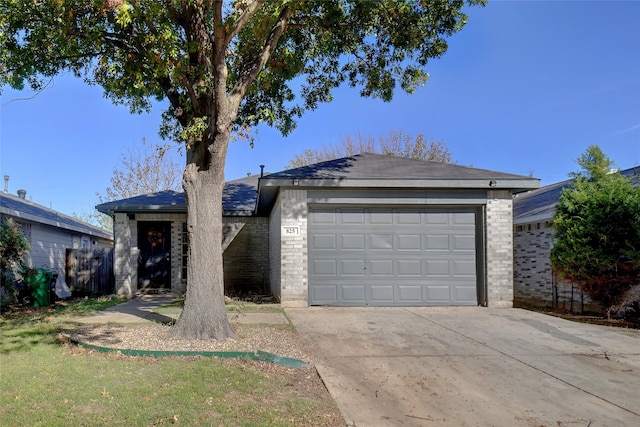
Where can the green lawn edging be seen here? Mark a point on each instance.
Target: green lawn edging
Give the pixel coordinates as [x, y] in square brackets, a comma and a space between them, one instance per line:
[259, 356]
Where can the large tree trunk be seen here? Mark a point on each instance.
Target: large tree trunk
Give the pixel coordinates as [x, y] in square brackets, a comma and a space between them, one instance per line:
[204, 315]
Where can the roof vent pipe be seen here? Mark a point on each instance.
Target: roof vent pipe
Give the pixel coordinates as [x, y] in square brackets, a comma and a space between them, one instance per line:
[22, 194]
[261, 171]
[6, 183]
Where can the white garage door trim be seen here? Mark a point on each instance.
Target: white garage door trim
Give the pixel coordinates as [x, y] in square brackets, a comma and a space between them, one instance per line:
[393, 256]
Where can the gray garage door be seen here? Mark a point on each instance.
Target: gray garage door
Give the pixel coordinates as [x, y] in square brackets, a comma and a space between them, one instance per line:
[392, 256]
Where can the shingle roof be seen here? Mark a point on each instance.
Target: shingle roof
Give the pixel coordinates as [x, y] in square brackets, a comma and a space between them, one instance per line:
[540, 204]
[239, 198]
[362, 170]
[369, 166]
[18, 207]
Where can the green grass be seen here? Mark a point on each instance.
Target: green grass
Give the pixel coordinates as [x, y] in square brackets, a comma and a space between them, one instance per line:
[47, 382]
[233, 306]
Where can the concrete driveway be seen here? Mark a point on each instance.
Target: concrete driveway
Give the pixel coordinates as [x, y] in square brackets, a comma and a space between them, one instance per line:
[473, 366]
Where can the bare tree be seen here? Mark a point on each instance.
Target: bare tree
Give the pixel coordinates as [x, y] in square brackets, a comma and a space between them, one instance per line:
[393, 143]
[145, 168]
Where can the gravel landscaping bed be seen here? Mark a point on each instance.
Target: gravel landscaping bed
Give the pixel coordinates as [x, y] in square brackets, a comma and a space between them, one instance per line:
[276, 339]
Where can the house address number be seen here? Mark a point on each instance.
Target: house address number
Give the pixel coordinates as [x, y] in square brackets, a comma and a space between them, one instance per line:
[291, 231]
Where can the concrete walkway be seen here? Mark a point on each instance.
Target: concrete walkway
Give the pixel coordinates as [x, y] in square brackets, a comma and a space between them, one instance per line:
[142, 309]
[473, 366]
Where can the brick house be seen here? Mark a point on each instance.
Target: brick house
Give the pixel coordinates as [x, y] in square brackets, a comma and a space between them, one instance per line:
[363, 230]
[533, 235]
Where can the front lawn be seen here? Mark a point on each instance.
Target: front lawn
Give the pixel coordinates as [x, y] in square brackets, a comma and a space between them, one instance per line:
[49, 382]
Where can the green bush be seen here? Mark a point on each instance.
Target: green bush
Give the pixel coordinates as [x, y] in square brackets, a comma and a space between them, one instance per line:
[13, 246]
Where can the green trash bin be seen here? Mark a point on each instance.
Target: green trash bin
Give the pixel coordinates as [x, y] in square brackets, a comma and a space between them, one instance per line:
[40, 283]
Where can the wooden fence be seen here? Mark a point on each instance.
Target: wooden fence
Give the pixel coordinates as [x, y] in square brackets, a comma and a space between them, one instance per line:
[90, 271]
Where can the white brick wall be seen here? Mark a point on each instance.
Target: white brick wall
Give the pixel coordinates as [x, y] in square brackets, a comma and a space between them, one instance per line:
[125, 283]
[499, 233]
[289, 250]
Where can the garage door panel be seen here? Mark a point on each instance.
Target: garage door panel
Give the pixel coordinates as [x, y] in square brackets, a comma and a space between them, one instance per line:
[438, 293]
[465, 294]
[353, 241]
[436, 242]
[411, 218]
[441, 218]
[409, 293]
[392, 256]
[352, 216]
[409, 242]
[464, 243]
[464, 268]
[324, 267]
[324, 242]
[409, 267]
[381, 294]
[437, 268]
[324, 294]
[353, 293]
[323, 217]
[352, 267]
[381, 267]
[380, 217]
[381, 241]
[463, 218]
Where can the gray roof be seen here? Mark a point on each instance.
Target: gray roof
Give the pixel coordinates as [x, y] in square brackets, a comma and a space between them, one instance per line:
[540, 204]
[238, 199]
[400, 171]
[369, 170]
[243, 196]
[17, 207]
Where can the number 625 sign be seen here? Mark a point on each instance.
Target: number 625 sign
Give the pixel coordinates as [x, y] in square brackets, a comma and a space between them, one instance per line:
[290, 231]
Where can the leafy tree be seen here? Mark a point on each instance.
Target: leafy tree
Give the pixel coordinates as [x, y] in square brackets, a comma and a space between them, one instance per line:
[223, 66]
[597, 223]
[394, 143]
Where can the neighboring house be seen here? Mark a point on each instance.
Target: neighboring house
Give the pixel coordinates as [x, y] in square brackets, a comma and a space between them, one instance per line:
[534, 281]
[363, 230]
[50, 233]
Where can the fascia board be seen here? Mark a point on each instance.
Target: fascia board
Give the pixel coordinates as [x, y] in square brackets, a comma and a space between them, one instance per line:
[496, 184]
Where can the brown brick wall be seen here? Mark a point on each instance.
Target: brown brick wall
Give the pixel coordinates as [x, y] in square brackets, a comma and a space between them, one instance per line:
[246, 260]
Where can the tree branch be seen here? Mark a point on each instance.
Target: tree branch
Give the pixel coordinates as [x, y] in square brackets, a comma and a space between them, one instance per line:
[254, 68]
[242, 20]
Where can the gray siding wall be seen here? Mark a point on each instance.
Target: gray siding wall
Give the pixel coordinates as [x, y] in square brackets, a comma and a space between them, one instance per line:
[49, 244]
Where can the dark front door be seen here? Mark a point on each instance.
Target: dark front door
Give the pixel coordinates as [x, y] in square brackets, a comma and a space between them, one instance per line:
[154, 262]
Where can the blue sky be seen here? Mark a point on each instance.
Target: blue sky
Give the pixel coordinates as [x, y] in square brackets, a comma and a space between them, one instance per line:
[525, 88]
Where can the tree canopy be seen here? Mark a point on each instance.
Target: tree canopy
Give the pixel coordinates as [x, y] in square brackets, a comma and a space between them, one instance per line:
[597, 223]
[223, 67]
[394, 143]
